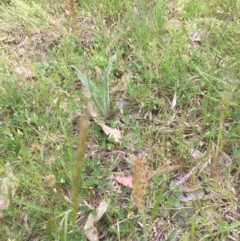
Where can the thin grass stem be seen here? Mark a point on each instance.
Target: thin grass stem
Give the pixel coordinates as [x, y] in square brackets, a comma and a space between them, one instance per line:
[82, 137]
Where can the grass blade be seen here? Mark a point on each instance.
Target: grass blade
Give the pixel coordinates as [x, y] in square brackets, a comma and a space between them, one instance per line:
[106, 83]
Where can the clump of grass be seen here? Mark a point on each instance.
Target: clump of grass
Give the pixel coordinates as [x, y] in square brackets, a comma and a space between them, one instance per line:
[139, 174]
[224, 109]
[100, 95]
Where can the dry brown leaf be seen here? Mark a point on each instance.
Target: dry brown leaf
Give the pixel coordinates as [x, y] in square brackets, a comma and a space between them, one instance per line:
[196, 37]
[174, 101]
[109, 131]
[125, 181]
[89, 228]
[92, 110]
[196, 154]
[191, 196]
[9, 182]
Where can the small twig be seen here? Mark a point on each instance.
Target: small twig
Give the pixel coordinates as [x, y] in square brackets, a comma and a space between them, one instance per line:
[165, 170]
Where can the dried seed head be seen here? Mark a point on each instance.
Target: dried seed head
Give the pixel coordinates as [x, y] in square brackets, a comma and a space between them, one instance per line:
[73, 12]
[35, 148]
[50, 180]
[139, 175]
[51, 160]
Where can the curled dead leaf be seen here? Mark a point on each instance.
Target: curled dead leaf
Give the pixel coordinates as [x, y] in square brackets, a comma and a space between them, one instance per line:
[174, 101]
[89, 228]
[109, 131]
[125, 181]
[92, 110]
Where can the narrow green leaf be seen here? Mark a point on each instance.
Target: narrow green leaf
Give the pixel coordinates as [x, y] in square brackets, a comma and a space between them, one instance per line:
[29, 205]
[87, 83]
[173, 235]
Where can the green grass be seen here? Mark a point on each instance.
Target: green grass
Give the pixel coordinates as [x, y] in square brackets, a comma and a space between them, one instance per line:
[41, 104]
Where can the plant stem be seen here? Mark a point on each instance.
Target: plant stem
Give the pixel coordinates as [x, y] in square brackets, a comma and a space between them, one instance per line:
[145, 230]
[82, 137]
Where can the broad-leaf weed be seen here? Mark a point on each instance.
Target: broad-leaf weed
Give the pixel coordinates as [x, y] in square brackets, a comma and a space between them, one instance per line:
[99, 95]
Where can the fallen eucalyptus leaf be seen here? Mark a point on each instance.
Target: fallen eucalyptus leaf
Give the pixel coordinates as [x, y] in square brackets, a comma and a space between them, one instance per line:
[125, 181]
[89, 228]
[109, 131]
[92, 110]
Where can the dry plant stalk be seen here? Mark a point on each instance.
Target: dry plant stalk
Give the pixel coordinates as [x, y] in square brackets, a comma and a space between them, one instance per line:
[73, 11]
[139, 175]
[82, 138]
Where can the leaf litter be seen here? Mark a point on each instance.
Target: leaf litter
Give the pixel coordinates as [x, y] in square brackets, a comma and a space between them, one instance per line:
[125, 181]
[8, 183]
[89, 227]
[174, 101]
[113, 133]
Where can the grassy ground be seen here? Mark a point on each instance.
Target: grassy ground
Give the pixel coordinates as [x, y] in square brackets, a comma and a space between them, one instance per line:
[177, 79]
